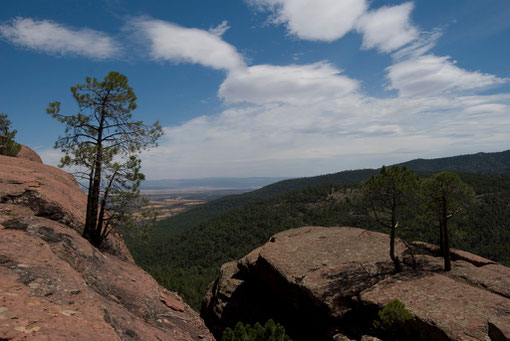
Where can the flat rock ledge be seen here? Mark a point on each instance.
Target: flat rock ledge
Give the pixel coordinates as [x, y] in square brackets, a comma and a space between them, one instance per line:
[55, 286]
[329, 283]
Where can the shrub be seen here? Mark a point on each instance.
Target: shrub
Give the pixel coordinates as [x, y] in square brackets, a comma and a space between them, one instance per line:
[392, 318]
[270, 332]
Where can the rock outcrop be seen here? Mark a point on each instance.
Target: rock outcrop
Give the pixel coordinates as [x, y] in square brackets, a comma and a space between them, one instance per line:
[28, 154]
[55, 286]
[329, 284]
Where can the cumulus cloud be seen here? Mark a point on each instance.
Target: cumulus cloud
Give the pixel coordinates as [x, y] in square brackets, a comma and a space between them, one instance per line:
[168, 41]
[387, 28]
[296, 120]
[293, 84]
[430, 75]
[330, 135]
[325, 20]
[220, 29]
[53, 38]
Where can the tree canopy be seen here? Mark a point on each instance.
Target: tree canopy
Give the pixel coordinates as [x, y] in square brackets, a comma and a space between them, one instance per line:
[388, 197]
[446, 196]
[8, 146]
[271, 331]
[101, 142]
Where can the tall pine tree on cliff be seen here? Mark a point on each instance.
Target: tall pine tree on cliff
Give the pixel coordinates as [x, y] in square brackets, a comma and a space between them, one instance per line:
[102, 141]
[387, 197]
[447, 196]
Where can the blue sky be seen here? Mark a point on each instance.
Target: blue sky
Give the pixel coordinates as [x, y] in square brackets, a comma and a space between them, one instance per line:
[270, 87]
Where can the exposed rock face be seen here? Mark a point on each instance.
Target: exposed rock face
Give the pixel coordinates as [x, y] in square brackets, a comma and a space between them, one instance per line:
[55, 286]
[329, 283]
[28, 154]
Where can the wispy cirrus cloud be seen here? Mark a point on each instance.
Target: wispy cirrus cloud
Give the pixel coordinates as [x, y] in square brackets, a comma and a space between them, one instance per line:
[53, 38]
[171, 42]
[430, 75]
[220, 29]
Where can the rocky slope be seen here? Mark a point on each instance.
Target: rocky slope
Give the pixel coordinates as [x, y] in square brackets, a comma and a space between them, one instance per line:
[55, 286]
[329, 283]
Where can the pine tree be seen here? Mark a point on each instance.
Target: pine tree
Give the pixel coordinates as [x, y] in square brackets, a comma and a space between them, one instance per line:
[103, 141]
[7, 145]
[446, 196]
[387, 197]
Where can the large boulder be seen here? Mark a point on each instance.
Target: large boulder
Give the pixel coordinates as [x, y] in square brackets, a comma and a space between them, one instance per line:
[54, 285]
[325, 282]
[28, 154]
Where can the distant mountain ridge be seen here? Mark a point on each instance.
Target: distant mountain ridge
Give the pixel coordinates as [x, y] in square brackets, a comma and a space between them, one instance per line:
[186, 251]
[484, 163]
[212, 183]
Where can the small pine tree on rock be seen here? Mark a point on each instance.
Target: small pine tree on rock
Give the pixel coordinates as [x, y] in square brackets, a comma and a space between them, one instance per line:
[392, 319]
[7, 145]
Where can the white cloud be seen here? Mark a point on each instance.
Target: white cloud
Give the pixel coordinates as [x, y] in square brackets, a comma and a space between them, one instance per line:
[53, 38]
[49, 156]
[220, 29]
[174, 43]
[325, 20]
[293, 84]
[297, 120]
[387, 28]
[424, 43]
[430, 75]
[329, 135]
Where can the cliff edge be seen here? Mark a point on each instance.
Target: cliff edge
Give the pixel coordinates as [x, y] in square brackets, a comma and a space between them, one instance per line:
[55, 286]
[329, 284]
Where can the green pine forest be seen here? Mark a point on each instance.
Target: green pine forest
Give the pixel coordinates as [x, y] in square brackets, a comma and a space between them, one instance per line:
[184, 253]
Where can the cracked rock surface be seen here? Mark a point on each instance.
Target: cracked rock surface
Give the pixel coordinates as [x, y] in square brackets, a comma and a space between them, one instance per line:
[329, 283]
[55, 286]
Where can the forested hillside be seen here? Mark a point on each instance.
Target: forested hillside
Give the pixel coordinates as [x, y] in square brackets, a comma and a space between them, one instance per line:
[187, 261]
[486, 163]
[196, 215]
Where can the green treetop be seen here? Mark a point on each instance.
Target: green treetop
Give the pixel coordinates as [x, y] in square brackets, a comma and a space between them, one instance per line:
[387, 197]
[446, 196]
[102, 142]
[7, 145]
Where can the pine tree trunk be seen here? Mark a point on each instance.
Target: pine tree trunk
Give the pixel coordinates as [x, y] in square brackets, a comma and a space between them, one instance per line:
[90, 232]
[394, 258]
[446, 247]
[441, 238]
[87, 231]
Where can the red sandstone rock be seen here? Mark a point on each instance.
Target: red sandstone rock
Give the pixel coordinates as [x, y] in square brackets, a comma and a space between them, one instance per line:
[55, 286]
[325, 282]
[27, 153]
[32, 188]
